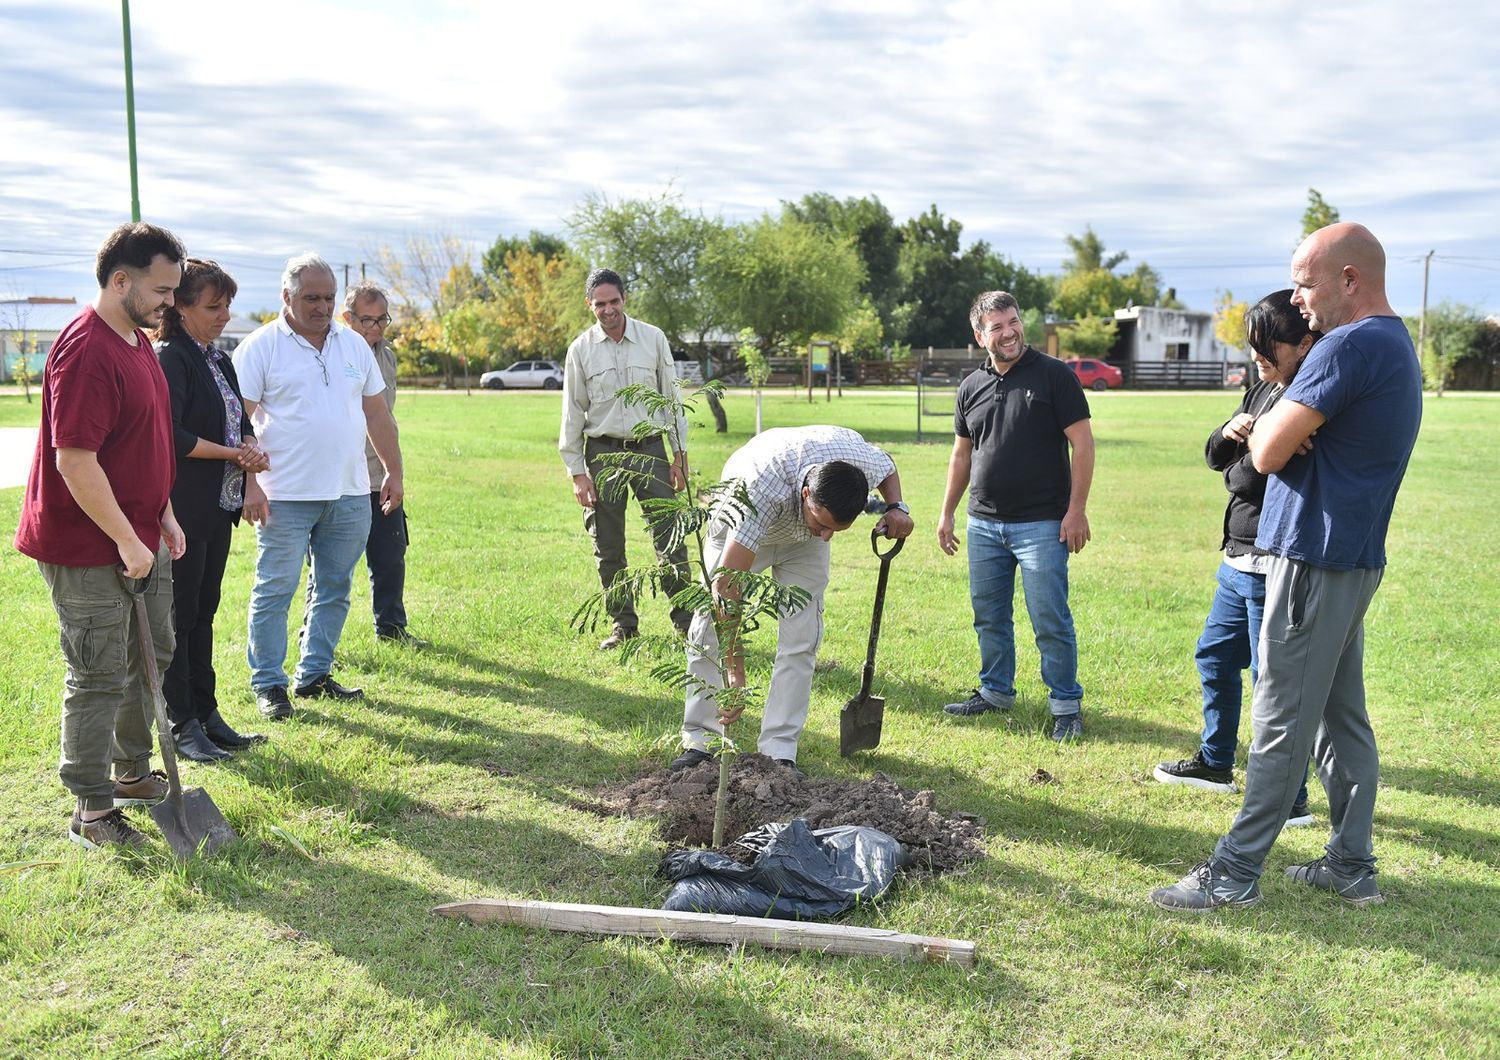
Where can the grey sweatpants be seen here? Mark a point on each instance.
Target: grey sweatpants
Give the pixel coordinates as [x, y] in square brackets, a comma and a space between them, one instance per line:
[1309, 697]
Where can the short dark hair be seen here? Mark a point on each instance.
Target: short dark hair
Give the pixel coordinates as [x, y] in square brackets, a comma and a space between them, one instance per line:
[598, 276]
[838, 487]
[197, 276]
[134, 246]
[991, 302]
[1274, 319]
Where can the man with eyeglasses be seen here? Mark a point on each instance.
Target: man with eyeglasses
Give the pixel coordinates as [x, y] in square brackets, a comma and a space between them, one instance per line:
[367, 312]
[313, 391]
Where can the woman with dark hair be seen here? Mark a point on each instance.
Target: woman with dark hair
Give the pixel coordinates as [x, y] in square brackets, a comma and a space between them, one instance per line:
[1279, 339]
[215, 447]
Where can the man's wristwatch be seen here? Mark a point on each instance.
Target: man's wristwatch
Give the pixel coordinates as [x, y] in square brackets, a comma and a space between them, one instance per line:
[898, 506]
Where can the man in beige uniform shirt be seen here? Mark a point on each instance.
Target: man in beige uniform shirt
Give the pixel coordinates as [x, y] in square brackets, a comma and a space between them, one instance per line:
[614, 353]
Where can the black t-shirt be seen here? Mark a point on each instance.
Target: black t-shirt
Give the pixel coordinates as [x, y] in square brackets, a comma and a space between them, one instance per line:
[1016, 422]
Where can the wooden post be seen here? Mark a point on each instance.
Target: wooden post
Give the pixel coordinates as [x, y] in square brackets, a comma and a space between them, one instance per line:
[835, 939]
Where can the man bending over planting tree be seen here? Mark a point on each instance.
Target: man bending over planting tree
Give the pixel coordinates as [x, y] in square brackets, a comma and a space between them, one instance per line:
[804, 484]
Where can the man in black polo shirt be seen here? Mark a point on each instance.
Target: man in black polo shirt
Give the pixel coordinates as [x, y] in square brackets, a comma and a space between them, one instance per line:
[1013, 423]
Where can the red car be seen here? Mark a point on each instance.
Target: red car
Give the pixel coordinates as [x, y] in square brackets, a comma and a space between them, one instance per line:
[1095, 375]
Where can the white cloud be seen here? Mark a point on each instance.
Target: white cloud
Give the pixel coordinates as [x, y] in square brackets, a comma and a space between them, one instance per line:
[1185, 133]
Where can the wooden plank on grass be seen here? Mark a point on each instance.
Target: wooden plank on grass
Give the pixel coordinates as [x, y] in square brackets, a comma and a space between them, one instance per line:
[713, 927]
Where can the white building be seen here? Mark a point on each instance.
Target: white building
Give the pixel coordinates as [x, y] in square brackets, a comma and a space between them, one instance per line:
[1150, 333]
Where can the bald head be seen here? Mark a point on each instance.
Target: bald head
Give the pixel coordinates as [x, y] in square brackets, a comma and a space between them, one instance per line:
[1338, 276]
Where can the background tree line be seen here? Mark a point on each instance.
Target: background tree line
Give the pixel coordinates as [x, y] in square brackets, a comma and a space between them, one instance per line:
[842, 270]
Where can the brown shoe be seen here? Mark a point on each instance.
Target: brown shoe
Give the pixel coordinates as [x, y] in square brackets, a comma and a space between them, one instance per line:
[619, 636]
[142, 791]
[110, 830]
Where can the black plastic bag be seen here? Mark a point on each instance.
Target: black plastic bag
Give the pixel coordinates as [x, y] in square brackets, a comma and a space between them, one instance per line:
[798, 874]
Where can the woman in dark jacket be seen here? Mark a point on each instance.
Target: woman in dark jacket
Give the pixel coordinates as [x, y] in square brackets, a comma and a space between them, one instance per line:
[1279, 340]
[215, 447]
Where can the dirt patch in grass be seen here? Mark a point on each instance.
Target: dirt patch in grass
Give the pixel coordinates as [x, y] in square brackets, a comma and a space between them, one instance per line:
[760, 791]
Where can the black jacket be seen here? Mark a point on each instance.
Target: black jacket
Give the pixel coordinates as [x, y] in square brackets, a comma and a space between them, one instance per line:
[1246, 486]
[197, 412]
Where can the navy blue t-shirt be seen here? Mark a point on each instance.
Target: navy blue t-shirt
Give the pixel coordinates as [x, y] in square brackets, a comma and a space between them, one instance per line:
[1331, 507]
[1020, 471]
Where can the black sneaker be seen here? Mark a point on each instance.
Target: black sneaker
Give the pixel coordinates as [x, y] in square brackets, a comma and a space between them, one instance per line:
[975, 704]
[689, 758]
[110, 830]
[1300, 816]
[1204, 889]
[1356, 890]
[274, 703]
[1196, 773]
[326, 687]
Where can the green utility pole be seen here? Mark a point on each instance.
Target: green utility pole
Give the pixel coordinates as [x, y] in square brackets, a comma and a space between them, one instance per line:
[135, 191]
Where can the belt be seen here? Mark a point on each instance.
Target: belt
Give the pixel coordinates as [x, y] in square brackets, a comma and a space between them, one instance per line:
[604, 441]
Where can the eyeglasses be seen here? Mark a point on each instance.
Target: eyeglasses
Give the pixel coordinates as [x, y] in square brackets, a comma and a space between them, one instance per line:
[368, 322]
[321, 357]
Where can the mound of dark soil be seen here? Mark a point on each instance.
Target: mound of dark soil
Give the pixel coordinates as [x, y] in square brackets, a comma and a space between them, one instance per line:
[760, 791]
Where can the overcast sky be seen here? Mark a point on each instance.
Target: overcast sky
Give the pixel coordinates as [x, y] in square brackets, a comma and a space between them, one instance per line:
[1184, 133]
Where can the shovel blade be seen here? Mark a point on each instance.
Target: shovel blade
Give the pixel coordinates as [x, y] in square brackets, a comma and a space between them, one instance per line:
[192, 824]
[859, 724]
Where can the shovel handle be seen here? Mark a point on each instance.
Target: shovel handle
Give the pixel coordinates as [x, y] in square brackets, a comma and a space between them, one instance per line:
[152, 679]
[890, 553]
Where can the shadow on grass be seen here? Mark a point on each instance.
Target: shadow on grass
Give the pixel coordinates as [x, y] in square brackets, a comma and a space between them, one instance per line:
[1442, 782]
[1450, 840]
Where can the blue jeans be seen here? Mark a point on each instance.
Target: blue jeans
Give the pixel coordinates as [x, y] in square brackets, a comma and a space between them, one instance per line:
[334, 534]
[995, 550]
[1230, 643]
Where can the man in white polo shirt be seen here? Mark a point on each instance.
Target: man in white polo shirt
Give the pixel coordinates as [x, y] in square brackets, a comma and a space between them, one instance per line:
[313, 391]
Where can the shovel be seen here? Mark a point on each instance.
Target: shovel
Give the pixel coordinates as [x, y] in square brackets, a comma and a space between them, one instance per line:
[859, 721]
[189, 820]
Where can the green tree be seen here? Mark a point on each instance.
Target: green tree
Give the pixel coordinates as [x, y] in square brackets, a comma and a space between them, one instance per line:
[784, 279]
[539, 305]
[1454, 332]
[868, 224]
[1319, 214]
[657, 247]
[941, 280]
[1090, 336]
[1090, 286]
[492, 265]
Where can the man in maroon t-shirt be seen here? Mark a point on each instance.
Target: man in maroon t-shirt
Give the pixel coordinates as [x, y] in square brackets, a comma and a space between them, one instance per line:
[98, 506]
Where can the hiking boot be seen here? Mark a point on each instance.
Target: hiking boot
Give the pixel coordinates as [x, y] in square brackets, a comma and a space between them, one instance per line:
[1356, 890]
[1067, 727]
[619, 635]
[219, 731]
[146, 790]
[400, 636]
[325, 687]
[1205, 888]
[975, 704]
[688, 759]
[273, 703]
[790, 763]
[1196, 773]
[1300, 816]
[110, 830]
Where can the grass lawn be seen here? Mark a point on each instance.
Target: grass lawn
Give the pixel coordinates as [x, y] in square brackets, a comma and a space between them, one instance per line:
[457, 778]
